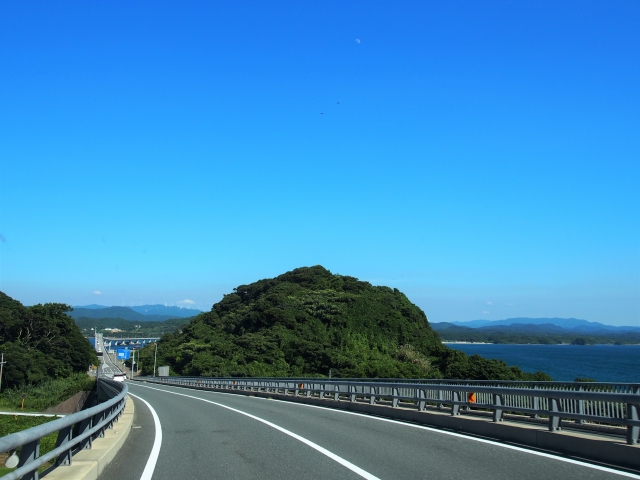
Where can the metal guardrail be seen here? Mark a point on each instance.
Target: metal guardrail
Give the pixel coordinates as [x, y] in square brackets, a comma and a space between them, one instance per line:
[89, 424]
[599, 403]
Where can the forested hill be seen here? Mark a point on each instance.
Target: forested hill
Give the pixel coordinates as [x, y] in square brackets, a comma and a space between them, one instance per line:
[40, 343]
[124, 313]
[309, 321]
[534, 334]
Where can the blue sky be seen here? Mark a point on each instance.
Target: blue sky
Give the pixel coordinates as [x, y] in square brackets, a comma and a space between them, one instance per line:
[483, 156]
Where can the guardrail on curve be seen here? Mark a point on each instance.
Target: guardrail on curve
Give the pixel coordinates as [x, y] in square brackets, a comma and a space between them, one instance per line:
[599, 403]
[91, 424]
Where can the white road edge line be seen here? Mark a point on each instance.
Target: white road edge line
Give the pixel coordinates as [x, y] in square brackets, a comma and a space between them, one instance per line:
[444, 432]
[157, 443]
[315, 446]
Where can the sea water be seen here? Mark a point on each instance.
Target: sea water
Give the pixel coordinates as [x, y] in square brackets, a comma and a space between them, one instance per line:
[603, 363]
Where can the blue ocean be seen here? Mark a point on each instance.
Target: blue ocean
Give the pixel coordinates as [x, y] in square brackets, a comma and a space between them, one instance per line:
[603, 363]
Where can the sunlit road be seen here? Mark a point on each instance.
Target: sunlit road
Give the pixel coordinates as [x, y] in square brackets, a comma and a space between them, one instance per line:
[107, 368]
[208, 435]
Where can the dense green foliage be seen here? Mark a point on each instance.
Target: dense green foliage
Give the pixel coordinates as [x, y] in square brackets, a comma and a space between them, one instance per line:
[40, 343]
[307, 322]
[129, 327]
[39, 397]
[10, 424]
[531, 334]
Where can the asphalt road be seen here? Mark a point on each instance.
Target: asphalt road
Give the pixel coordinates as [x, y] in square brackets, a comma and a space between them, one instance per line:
[107, 368]
[236, 437]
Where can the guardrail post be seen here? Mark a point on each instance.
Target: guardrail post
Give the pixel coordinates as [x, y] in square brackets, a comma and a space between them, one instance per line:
[536, 405]
[372, 395]
[352, 389]
[554, 420]
[111, 410]
[321, 392]
[440, 397]
[85, 425]
[394, 401]
[498, 401]
[455, 408]
[97, 418]
[421, 403]
[29, 453]
[336, 393]
[633, 431]
[64, 436]
[580, 406]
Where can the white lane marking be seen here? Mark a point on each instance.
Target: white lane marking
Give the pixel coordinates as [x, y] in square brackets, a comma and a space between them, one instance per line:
[481, 440]
[445, 432]
[315, 446]
[157, 443]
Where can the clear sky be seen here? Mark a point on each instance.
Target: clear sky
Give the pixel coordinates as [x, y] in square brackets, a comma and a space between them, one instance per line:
[482, 157]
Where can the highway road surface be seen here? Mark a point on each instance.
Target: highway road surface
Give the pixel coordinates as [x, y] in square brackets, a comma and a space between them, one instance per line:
[180, 433]
[107, 368]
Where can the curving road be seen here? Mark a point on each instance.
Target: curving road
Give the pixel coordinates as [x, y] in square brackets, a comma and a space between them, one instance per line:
[207, 435]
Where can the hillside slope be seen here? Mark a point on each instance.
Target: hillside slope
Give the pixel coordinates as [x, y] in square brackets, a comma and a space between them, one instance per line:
[307, 322]
[129, 327]
[40, 343]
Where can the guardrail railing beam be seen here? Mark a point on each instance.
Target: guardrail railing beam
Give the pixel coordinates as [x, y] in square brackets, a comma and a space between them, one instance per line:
[611, 404]
[91, 425]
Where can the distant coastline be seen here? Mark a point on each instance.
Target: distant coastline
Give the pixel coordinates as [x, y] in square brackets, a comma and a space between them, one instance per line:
[537, 331]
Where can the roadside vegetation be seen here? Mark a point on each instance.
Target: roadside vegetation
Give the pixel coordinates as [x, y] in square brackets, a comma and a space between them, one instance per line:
[40, 343]
[129, 327]
[46, 356]
[50, 393]
[310, 322]
[12, 424]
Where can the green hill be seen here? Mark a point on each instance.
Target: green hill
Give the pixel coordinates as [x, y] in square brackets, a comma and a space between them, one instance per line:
[129, 327]
[309, 321]
[124, 313]
[534, 334]
[40, 343]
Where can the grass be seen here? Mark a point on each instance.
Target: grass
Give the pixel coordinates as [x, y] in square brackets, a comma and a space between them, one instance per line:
[48, 394]
[38, 398]
[12, 424]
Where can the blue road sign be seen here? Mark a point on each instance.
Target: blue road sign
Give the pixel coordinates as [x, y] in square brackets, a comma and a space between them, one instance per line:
[124, 354]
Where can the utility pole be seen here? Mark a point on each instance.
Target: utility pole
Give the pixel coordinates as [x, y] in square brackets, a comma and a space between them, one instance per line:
[2, 362]
[155, 357]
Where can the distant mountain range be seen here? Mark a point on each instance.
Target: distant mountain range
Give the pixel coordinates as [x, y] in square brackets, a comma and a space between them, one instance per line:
[572, 324]
[142, 313]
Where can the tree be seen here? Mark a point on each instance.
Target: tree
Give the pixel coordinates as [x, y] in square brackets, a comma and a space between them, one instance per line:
[40, 343]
